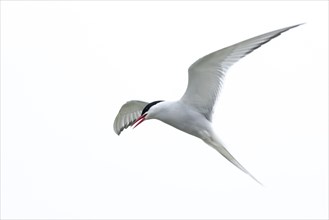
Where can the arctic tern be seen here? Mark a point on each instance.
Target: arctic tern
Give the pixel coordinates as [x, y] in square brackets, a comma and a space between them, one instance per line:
[193, 112]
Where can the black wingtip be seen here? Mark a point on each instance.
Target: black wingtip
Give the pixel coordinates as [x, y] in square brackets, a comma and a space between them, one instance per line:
[297, 25]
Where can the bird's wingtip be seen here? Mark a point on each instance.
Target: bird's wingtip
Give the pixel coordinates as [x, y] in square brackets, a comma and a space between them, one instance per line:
[296, 25]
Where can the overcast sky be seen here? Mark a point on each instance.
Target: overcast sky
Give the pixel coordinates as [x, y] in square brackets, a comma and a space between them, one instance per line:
[67, 67]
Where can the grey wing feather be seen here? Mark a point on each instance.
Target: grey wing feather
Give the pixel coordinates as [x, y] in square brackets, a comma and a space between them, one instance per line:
[127, 115]
[206, 75]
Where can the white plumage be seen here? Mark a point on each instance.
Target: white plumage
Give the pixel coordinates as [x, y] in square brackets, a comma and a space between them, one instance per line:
[193, 112]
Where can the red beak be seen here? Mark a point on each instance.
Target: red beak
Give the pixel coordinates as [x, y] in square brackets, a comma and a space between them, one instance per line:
[139, 120]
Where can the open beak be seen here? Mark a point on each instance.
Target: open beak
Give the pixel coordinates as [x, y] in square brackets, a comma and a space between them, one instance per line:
[139, 120]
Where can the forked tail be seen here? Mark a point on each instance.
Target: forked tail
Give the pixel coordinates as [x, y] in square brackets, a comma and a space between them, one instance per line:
[217, 145]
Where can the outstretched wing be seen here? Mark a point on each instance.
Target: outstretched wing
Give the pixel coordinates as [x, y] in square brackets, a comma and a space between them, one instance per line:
[206, 75]
[128, 114]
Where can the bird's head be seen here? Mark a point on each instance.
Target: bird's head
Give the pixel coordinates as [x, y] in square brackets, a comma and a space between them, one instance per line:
[147, 113]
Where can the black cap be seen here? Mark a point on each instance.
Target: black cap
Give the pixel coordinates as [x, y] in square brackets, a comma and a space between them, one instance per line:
[148, 106]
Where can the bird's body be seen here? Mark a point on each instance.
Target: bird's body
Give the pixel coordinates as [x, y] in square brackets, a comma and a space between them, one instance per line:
[192, 122]
[192, 113]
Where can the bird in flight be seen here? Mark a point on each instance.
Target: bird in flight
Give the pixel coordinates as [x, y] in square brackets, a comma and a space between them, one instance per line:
[192, 113]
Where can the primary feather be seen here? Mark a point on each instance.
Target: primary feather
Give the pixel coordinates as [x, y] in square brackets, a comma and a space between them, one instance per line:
[206, 75]
[127, 115]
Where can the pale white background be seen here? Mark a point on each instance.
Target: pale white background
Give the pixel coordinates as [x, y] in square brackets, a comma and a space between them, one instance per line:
[67, 67]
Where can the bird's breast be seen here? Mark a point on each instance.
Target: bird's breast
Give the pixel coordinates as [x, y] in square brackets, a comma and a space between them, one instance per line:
[185, 118]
